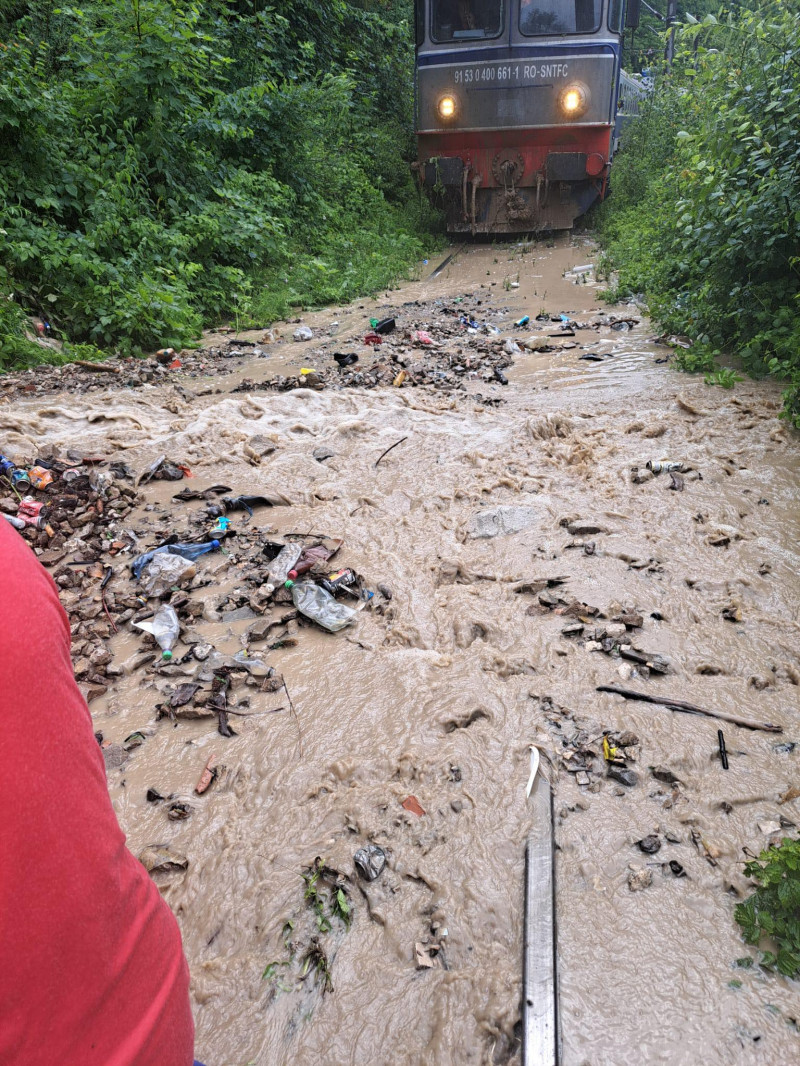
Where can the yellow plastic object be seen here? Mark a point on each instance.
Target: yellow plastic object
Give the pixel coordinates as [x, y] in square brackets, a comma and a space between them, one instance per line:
[609, 752]
[307, 370]
[401, 377]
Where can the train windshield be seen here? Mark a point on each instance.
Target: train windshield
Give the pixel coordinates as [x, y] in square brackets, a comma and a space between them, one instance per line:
[538, 18]
[466, 20]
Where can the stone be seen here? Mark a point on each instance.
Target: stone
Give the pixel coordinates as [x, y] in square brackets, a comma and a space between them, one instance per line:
[239, 614]
[259, 630]
[626, 777]
[322, 453]
[638, 880]
[82, 667]
[650, 844]
[586, 528]
[663, 773]
[258, 447]
[114, 756]
[100, 656]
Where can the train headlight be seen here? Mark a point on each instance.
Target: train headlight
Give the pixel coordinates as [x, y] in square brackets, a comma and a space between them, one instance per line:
[573, 100]
[447, 107]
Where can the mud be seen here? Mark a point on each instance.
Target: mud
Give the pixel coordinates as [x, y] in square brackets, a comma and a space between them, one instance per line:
[438, 691]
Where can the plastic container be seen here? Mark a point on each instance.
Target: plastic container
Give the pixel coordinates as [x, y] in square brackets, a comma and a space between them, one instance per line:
[318, 605]
[186, 551]
[166, 571]
[281, 565]
[165, 627]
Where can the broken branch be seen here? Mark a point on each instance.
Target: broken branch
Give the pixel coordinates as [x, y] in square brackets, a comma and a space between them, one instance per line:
[689, 708]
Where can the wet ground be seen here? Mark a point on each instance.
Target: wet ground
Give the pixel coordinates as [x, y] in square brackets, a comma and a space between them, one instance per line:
[500, 627]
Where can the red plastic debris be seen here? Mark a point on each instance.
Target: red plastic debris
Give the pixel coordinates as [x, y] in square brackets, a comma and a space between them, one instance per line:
[412, 804]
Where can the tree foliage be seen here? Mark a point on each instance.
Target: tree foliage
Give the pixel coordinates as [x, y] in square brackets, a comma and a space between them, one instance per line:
[163, 164]
[705, 217]
[773, 910]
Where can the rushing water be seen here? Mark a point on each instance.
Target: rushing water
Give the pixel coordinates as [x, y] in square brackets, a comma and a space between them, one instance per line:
[388, 709]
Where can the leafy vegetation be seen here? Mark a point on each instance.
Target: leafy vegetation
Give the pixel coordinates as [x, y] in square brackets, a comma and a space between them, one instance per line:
[705, 213]
[774, 909]
[165, 164]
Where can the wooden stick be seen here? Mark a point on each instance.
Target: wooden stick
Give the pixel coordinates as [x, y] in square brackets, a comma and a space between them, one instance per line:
[390, 448]
[689, 708]
[100, 368]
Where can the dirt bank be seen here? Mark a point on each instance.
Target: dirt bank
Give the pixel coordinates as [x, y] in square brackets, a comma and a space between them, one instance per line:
[438, 691]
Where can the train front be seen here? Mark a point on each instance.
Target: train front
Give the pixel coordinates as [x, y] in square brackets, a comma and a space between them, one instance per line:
[515, 107]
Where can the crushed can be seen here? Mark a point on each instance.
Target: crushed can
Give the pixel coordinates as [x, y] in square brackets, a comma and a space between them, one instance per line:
[20, 480]
[338, 580]
[7, 468]
[662, 466]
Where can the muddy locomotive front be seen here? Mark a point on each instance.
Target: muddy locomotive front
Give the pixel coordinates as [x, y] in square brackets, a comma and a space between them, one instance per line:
[516, 103]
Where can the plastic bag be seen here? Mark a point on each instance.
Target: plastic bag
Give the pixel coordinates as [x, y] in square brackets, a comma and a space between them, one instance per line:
[165, 570]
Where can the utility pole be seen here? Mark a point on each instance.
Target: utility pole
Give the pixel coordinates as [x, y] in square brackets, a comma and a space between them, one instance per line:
[672, 16]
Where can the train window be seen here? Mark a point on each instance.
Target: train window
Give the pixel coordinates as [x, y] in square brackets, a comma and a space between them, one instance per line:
[538, 18]
[615, 16]
[466, 20]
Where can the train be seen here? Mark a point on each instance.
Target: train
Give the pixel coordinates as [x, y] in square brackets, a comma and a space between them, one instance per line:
[518, 108]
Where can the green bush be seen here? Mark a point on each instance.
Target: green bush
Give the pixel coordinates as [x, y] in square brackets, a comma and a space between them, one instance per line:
[774, 909]
[705, 213]
[165, 165]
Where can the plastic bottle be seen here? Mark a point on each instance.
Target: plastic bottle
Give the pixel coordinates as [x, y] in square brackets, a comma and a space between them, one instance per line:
[165, 627]
[281, 565]
[187, 551]
[318, 605]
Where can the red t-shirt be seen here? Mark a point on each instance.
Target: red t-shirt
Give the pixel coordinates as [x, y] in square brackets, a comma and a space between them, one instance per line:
[92, 971]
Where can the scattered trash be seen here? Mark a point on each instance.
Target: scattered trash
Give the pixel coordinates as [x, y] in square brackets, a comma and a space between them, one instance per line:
[39, 477]
[247, 503]
[412, 804]
[280, 566]
[338, 580]
[166, 629]
[164, 470]
[373, 339]
[424, 955]
[386, 325]
[320, 606]
[522, 321]
[421, 337]
[769, 827]
[663, 465]
[158, 858]
[345, 358]
[207, 777]
[501, 521]
[303, 333]
[370, 861]
[191, 552]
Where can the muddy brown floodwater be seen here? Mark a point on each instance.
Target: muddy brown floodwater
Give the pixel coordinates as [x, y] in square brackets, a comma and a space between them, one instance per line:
[439, 693]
